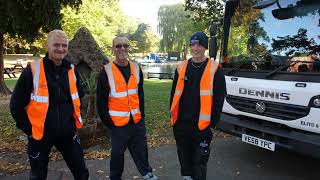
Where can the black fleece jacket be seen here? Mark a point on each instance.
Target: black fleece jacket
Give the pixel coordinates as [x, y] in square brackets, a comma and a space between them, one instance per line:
[189, 105]
[59, 120]
[103, 90]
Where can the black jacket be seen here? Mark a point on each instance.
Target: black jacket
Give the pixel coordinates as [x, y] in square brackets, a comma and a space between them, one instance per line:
[103, 90]
[59, 119]
[189, 105]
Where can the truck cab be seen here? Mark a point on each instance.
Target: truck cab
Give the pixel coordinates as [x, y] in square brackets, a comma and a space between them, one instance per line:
[270, 56]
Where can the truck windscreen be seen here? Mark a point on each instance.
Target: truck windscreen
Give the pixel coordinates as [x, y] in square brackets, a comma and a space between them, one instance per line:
[275, 36]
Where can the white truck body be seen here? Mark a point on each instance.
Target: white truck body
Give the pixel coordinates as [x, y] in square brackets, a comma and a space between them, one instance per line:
[270, 51]
[293, 95]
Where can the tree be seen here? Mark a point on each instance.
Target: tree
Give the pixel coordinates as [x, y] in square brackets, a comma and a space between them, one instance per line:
[12, 45]
[206, 10]
[108, 21]
[143, 38]
[103, 18]
[299, 43]
[17, 44]
[247, 30]
[175, 26]
[25, 19]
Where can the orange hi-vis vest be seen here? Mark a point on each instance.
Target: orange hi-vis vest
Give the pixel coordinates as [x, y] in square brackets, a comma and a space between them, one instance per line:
[123, 98]
[206, 94]
[39, 101]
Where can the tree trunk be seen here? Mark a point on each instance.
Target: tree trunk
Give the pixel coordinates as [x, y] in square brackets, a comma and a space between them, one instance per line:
[185, 52]
[4, 90]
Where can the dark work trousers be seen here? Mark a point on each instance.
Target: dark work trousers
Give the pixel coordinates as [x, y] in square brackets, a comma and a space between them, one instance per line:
[38, 152]
[193, 149]
[133, 137]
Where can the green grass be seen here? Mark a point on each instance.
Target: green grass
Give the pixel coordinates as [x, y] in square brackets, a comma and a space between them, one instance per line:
[9, 131]
[156, 97]
[11, 83]
[18, 56]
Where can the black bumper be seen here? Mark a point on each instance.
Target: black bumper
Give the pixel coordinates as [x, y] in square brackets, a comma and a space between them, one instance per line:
[283, 136]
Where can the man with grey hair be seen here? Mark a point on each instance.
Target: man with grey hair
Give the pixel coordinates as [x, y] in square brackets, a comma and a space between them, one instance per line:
[45, 104]
[120, 102]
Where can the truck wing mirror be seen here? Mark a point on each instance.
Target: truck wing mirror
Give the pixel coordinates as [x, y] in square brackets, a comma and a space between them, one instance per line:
[296, 11]
[264, 4]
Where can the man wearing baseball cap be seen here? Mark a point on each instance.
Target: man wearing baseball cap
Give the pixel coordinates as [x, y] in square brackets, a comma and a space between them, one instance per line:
[197, 96]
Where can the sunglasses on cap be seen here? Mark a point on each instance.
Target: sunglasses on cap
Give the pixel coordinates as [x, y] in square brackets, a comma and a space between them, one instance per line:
[193, 42]
[119, 46]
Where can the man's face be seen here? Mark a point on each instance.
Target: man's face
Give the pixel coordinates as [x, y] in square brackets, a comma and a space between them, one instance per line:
[121, 48]
[197, 50]
[57, 48]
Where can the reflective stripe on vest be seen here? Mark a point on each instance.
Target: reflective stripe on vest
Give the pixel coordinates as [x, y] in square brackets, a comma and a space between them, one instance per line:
[206, 94]
[39, 100]
[178, 91]
[123, 98]
[75, 97]
[118, 113]
[42, 99]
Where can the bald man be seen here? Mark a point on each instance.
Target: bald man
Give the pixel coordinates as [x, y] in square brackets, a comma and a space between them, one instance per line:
[45, 104]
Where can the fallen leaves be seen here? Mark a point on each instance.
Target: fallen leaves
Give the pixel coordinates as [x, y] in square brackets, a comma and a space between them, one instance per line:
[217, 133]
[99, 154]
[13, 157]
[12, 168]
[154, 142]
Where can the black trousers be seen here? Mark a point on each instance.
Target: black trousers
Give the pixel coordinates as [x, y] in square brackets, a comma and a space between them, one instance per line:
[133, 137]
[193, 147]
[69, 146]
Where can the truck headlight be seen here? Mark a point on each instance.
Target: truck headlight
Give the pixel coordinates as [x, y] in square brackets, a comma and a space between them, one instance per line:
[316, 102]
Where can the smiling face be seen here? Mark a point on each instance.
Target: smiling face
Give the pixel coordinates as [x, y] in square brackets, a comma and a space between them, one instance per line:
[57, 46]
[120, 49]
[197, 51]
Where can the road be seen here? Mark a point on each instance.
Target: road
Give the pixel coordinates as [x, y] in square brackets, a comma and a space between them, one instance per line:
[230, 160]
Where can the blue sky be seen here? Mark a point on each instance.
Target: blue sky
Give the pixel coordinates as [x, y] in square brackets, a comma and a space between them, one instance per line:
[290, 26]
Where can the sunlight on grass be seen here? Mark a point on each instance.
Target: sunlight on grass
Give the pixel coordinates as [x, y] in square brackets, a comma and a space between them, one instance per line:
[18, 56]
[8, 132]
[156, 81]
[157, 96]
[11, 83]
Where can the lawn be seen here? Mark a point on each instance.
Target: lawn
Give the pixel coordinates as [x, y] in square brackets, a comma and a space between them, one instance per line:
[157, 94]
[157, 122]
[8, 132]
[14, 57]
[11, 83]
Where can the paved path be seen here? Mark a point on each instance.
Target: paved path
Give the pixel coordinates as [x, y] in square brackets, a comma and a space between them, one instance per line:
[230, 160]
